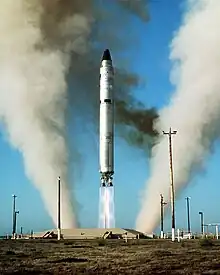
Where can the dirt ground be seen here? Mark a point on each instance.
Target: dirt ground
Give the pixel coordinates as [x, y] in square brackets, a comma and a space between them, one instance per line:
[109, 257]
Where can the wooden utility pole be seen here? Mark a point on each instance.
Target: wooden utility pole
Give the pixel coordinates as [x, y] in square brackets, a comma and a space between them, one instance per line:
[172, 193]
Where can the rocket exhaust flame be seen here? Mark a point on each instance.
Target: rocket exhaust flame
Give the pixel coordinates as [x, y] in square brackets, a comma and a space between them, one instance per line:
[106, 207]
[193, 111]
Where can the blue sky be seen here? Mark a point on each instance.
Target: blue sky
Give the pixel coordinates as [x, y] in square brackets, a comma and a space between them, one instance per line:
[150, 59]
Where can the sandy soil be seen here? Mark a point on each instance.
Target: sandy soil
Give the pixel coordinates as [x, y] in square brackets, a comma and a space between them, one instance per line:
[109, 257]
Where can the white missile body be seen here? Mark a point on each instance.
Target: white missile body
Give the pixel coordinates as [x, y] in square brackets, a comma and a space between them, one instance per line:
[106, 120]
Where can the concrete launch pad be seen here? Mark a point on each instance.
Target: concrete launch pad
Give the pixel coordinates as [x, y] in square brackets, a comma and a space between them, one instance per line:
[92, 233]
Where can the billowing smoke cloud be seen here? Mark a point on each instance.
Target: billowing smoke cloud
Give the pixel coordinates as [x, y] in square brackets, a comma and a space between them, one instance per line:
[194, 110]
[44, 44]
[140, 130]
[33, 93]
[139, 9]
[128, 109]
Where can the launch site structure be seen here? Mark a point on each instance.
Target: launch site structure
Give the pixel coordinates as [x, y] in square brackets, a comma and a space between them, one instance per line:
[106, 149]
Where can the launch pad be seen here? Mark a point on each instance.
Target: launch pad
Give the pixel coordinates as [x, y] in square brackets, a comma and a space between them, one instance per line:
[91, 233]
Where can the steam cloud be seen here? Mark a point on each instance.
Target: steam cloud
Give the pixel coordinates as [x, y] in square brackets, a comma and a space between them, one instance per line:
[194, 109]
[44, 44]
[33, 95]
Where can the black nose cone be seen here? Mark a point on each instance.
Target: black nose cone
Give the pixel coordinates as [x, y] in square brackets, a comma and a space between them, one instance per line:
[106, 55]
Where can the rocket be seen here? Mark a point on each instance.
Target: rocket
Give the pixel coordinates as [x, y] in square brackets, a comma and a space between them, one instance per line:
[106, 150]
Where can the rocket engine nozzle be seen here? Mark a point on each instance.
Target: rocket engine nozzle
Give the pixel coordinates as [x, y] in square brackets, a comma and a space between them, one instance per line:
[110, 184]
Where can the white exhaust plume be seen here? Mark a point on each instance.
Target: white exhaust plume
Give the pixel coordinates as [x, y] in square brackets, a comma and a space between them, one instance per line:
[33, 95]
[194, 110]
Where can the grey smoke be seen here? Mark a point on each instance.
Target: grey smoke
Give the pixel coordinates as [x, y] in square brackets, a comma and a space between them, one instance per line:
[194, 109]
[49, 63]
